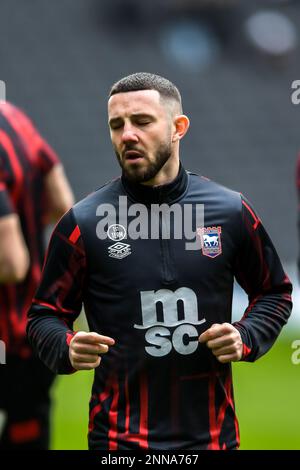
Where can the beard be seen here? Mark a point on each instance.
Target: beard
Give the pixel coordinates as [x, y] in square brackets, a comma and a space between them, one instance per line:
[149, 170]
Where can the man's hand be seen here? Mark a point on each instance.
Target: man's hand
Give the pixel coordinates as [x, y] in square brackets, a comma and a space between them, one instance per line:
[225, 342]
[85, 348]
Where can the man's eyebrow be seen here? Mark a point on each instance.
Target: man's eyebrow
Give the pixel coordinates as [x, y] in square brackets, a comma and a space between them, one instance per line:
[147, 115]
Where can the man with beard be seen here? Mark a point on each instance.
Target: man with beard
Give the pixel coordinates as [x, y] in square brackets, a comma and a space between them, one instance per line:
[161, 339]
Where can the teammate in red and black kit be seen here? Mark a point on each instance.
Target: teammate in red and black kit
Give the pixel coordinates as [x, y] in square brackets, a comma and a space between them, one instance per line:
[33, 192]
[161, 339]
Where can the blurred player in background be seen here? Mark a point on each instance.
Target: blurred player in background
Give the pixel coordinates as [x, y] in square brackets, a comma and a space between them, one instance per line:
[34, 192]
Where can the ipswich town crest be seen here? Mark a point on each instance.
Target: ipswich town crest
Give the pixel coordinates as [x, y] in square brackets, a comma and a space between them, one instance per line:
[210, 241]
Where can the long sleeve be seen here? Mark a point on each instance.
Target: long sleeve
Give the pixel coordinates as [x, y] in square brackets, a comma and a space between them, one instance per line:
[259, 271]
[58, 300]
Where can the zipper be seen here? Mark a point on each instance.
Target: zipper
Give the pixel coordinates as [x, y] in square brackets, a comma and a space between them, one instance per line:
[167, 260]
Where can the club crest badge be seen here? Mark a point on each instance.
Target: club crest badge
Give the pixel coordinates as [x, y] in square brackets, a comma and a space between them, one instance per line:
[210, 241]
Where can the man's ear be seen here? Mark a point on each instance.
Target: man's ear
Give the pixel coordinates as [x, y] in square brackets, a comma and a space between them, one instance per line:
[181, 123]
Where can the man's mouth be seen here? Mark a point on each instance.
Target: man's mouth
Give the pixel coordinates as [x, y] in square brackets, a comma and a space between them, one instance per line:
[133, 155]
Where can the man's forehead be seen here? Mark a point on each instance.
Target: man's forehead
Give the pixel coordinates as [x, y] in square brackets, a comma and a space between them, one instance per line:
[134, 101]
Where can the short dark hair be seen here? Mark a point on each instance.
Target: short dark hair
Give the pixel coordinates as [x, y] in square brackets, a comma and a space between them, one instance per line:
[147, 81]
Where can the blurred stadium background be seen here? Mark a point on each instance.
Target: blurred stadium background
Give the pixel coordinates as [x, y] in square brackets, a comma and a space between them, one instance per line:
[234, 62]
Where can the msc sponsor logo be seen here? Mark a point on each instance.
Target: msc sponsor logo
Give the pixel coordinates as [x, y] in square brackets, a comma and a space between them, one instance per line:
[161, 312]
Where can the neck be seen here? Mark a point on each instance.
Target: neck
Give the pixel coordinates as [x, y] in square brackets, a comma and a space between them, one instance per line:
[164, 193]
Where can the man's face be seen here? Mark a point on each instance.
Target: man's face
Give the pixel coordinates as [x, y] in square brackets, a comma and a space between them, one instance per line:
[141, 133]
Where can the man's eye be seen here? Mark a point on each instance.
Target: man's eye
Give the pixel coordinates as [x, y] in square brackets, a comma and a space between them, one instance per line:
[143, 123]
[116, 126]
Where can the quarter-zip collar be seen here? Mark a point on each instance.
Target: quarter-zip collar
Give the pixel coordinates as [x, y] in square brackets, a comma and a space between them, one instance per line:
[165, 193]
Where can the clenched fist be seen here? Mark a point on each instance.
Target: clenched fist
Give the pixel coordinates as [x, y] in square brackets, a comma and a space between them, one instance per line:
[85, 348]
[225, 342]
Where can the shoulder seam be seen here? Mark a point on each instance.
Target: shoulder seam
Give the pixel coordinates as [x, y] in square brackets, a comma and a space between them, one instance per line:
[107, 182]
[67, 239]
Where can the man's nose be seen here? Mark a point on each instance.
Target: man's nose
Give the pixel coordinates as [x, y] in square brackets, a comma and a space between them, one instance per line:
[129, 135]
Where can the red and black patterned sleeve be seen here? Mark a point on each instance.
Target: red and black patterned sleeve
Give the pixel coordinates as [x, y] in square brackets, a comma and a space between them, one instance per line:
[58, 300]
[47, 156]
[259, 271]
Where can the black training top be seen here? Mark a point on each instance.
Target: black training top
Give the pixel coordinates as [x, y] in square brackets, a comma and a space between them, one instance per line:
[158, 387]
